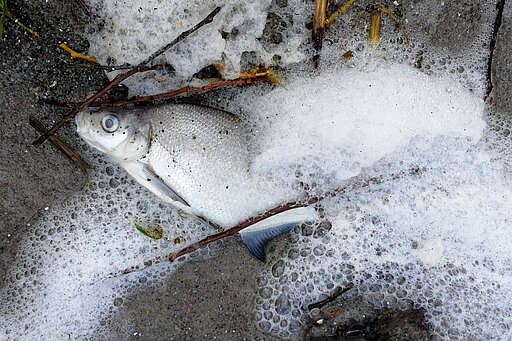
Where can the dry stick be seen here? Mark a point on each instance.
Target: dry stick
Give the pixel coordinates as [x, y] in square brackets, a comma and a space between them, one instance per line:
[492, 46]
[319, 14]
[276, 210]
[188, 89]
[121, 77]
[59, 144]
[168, 94]
[119, 67]
[213, 237]
[337, 293]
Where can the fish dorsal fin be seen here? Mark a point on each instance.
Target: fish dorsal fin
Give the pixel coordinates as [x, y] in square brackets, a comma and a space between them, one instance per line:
[256, 236]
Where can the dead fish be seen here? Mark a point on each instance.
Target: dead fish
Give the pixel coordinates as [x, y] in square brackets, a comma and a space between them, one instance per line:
[195, 158]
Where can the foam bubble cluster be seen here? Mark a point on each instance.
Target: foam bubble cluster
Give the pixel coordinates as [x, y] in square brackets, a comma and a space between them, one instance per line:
[61, 286]
[436, 239]
[446, 39]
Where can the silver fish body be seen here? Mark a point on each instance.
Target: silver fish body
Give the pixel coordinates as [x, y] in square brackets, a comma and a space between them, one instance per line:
[203, 154]
[196, 158]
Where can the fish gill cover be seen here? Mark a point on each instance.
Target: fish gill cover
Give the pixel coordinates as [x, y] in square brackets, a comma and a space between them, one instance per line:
[439, 240]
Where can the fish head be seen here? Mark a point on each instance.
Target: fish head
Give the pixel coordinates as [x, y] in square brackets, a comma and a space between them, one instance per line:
[122, 134]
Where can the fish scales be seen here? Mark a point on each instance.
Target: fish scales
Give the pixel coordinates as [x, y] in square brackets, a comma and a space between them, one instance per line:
[201, 152]
[197, 159]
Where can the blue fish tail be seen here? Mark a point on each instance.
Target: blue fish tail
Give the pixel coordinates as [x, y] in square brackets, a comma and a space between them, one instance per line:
[256, 236]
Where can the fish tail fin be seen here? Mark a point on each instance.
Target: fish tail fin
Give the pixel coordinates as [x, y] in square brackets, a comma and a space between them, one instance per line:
[256, 236]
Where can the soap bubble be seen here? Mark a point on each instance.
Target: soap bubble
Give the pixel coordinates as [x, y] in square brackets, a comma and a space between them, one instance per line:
[438, 240]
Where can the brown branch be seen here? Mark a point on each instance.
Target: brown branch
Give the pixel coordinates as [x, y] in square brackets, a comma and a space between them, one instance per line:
[185, 89]
[102, 102]
[121, 77]
[492, 46]
[119, 67]
[210, 239]
[319, 14]
[59, 144]
[276, 210]
[337, 293]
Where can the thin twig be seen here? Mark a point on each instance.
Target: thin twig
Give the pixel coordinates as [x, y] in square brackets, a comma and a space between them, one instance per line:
[121, 77]
[492, 46]
[99, 67]
[319, 14]
[111, 68]
[210, 239]
[276, 210]
[337, 293]
[59, 144]
[164, 95]
[188, 89]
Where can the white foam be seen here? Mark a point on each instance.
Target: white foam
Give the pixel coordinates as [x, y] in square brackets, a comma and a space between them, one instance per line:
[430, 233]
[438, 240]
[342, 122]
[59, 287]
[131, 32]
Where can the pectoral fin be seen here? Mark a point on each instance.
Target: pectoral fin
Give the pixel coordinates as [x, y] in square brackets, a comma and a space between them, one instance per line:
[145, 175]
[256, 237]
[158, 184]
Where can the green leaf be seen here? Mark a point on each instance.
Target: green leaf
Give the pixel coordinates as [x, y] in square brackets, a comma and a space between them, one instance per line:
[153, 231]
[179, 240]
[182, 214]
[3, 14]
[419, 62]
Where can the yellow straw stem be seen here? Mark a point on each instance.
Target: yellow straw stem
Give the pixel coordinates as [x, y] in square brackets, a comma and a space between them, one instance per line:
[340, 11]
[397, 21]
[375, 23]
[75, 54]
[17, 22]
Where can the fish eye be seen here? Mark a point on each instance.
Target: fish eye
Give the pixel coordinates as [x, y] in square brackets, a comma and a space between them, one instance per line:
[110, 123]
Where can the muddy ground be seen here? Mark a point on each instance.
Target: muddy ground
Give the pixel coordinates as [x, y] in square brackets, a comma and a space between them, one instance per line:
[219, 290]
